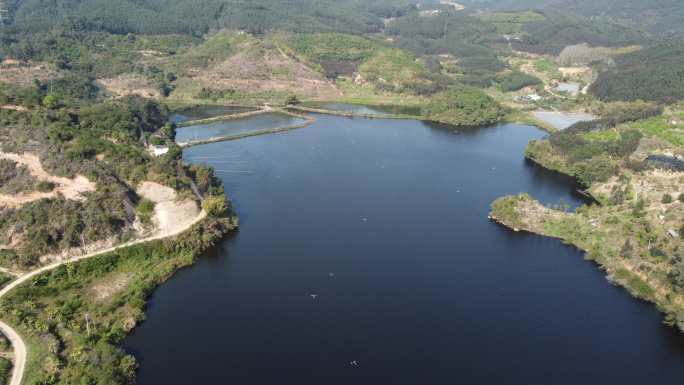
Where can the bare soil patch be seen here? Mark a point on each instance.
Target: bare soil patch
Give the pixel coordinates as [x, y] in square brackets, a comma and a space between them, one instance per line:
[72, 189]
[107, 288]
[23, 74]
[130, 85]
[170, 213]
[13, 108]
[264, 70]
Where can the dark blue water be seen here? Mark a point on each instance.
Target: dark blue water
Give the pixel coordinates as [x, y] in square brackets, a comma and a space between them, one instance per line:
[386, 222]
[232, 127]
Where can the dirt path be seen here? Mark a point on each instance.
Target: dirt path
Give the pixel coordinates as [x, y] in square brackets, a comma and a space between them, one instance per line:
[175, 225]
[13, 108]
[9, 272]
[19, 353]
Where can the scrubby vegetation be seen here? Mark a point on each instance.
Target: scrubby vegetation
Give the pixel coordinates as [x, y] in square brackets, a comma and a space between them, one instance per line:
[634, 231]
[629, 237]
[103, 141]
[74, 317]
[5, 370]
[15, 178]
[593, 151]
[332, 53]
[4, 279]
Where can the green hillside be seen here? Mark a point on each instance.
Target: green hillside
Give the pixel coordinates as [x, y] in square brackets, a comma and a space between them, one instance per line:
[655, 73]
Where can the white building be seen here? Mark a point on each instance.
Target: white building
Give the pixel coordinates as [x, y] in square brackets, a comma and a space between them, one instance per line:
[158, 150]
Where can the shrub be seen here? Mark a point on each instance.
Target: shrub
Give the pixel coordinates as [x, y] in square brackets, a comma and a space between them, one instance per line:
[145, 210]
[215, 206]
[45, 186]
[667, 199]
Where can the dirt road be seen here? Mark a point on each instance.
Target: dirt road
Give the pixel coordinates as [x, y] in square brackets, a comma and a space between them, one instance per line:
[20, 353]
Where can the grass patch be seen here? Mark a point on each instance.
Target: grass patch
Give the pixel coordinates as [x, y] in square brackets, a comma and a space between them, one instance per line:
[660, 127]
[602, 136]
[548, 67]
[504, 210]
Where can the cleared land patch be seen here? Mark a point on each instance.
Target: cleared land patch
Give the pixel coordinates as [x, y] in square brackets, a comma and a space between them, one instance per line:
[170, 213]
[130, 84]
[72, 189]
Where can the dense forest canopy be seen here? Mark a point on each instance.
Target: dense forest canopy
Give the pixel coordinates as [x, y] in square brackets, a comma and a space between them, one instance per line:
[655, 16]
[560, 29]
[655, 73]
[199, 16]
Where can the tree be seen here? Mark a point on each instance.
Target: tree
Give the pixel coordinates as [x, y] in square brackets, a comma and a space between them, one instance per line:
[50, 101]
[627, 250]
[292, 100]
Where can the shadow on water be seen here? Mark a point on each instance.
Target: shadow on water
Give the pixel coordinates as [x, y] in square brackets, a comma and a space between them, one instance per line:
[544, 176]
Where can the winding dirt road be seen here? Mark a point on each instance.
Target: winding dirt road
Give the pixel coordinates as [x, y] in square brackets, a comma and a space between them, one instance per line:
[18, 344]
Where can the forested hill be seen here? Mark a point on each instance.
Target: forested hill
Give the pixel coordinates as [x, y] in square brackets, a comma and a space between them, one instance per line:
[655, 73]
[655, 16]
[199, 16]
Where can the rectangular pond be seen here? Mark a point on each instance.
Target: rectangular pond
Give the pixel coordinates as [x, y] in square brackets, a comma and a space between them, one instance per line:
[234, 127]
[562, 120]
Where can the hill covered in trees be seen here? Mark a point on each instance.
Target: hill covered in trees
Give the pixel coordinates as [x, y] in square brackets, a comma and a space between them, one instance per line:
[199, 16]
[655, 73]
[657, 16]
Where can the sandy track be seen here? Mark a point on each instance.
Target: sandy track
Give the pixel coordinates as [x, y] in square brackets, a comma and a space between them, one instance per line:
[173, 218]
[20, 352]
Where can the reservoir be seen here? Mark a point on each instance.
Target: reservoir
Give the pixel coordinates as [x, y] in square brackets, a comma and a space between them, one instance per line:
[365, 256]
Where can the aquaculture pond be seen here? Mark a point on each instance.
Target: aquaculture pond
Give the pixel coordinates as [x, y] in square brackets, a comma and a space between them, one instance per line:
[203, 112]
[365, 256]
[235, 126]
[562, 120]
